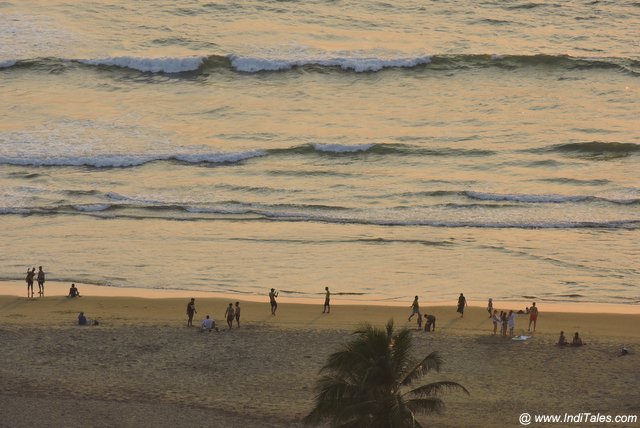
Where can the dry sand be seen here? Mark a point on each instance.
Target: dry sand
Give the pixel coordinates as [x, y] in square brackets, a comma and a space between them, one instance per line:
[143, 367]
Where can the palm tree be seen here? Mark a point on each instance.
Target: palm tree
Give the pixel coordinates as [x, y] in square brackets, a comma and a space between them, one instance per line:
[367, 384]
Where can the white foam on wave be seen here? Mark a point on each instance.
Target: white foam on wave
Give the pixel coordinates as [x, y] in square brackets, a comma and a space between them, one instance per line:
[358, 64]
[92, 207]
[152, 65]
[7, 63]
[342, 148]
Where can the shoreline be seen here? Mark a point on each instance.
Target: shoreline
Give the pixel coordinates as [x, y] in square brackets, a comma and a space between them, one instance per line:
[57, 288]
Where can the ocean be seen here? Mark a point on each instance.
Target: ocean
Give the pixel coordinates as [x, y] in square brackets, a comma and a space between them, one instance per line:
[383, 149]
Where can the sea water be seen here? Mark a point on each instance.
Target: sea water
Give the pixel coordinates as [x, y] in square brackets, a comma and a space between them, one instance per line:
[382, 149]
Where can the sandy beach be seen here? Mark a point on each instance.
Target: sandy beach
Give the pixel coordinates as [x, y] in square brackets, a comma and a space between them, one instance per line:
[142, 366]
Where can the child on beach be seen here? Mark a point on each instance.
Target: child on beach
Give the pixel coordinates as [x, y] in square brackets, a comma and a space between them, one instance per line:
[238, 313]
[230, 314]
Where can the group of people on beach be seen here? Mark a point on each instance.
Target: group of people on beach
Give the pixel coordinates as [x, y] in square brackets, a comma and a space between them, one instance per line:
[507, 320]
[31, 275]
[577, 340]
[208, 324]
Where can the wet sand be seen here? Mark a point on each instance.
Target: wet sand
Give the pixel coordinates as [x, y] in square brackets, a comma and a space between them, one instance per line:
[143, 367]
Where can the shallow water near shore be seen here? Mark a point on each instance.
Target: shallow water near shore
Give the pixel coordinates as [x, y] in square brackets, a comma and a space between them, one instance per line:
[383, 150]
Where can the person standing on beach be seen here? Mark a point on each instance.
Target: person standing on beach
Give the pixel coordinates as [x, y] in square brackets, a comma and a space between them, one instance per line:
[512, 322]
[272, 299]
[490, 306]
[462, 303]
[533, 316]
[29, 279]
[415, 309]
[238, 314]
[191, 311]
[230, 314]
[496, 321]
[327, 298]
[40, 281]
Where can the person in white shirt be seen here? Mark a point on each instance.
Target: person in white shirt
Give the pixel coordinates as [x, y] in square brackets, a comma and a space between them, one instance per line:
[209, 324]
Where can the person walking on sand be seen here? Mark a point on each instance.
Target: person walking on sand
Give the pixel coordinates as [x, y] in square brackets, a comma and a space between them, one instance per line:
[490, 306]
[238, 314]
[230, 314]
[29, 279]
[415, 308]
[40, 281]
[191, 311]
[533, 316]
[272, 299]
[462, 303]
[327, 299]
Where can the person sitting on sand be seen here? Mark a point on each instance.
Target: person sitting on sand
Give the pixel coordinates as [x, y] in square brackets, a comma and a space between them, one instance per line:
[208, 324]
[73, 291]
[229, 314]
[562, 340]
[82, 320]
[431, 323]
[577, 341]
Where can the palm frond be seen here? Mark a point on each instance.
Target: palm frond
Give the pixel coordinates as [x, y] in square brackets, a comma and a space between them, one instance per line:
[436, 388]
[425, 405]
[400, 354]
[433, 361]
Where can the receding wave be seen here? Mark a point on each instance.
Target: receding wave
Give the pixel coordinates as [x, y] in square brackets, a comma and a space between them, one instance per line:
[213, 158]
[140, 210]
[325, 62]
[546, 199]
[124, 161]
[598, 148]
